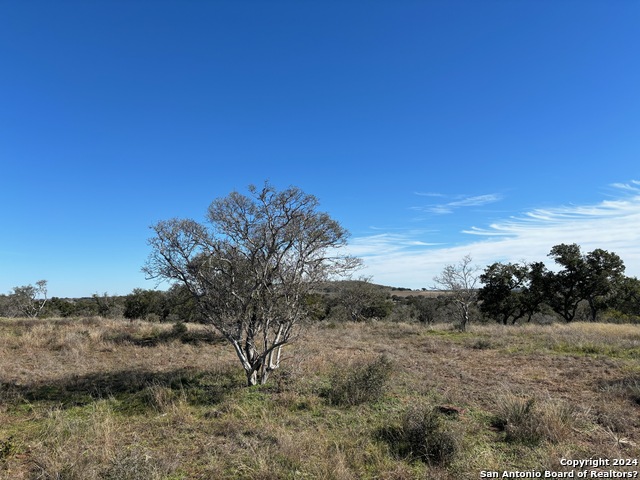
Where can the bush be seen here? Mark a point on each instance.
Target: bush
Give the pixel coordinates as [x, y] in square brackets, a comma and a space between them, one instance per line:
[481, 344]
[362, 383]
[423, 435]
[179, 329]
[427, 439]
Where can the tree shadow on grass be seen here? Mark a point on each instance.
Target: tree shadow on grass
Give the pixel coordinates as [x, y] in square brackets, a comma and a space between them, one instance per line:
[134, 391]
[163, 337]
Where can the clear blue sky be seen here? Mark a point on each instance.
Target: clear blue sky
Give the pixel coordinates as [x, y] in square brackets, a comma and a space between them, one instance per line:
[429, 129]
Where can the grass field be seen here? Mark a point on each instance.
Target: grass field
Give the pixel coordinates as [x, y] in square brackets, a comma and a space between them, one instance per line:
[104, 399]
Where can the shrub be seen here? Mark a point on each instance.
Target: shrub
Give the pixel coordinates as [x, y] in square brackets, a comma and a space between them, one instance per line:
[426, 437]
[423, 435]
[362, 383]
[179, 329]
[481, 344]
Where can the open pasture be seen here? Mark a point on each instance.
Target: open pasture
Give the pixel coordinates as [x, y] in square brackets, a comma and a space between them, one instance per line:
[107, 399]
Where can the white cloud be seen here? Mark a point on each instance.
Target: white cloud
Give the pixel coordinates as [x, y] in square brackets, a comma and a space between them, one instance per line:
[460, 201]
[633, 186]
[409, 261]
[476, 201]
[386, 244]
[429, 194]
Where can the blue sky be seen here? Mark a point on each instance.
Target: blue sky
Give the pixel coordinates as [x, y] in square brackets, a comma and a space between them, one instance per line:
[429, 129]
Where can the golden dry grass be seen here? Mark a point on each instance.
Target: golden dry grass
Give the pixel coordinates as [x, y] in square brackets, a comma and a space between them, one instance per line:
[98, 399]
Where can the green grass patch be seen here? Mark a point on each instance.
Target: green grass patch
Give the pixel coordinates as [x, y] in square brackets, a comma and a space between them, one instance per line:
[595, 349]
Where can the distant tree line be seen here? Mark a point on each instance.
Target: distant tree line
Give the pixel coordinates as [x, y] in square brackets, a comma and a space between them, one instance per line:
[585, 287]
[173, 305]
[26, 302]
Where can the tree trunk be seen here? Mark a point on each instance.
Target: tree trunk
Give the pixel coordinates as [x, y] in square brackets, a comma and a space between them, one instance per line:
[466, 316]
[252, 378]
[594, 309]
[256, 377]
[465, 320]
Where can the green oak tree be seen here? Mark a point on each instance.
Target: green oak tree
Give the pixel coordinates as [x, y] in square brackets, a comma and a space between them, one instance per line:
[590, 277]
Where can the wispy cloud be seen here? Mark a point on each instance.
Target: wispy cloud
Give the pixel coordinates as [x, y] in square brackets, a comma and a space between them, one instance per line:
[429, 194]
[476, 201]
[385, 245]
[411, 261]
[632, 186]
[458, 201]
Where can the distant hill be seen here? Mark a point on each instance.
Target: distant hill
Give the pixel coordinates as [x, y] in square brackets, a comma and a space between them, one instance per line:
[334, 287]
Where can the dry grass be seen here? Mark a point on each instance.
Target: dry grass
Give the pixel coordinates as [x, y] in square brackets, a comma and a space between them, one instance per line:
[104, 399]
[531, 421]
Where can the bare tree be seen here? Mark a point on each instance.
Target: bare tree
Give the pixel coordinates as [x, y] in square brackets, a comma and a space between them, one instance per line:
[250, 267]
[29, 300]
[460, 281]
